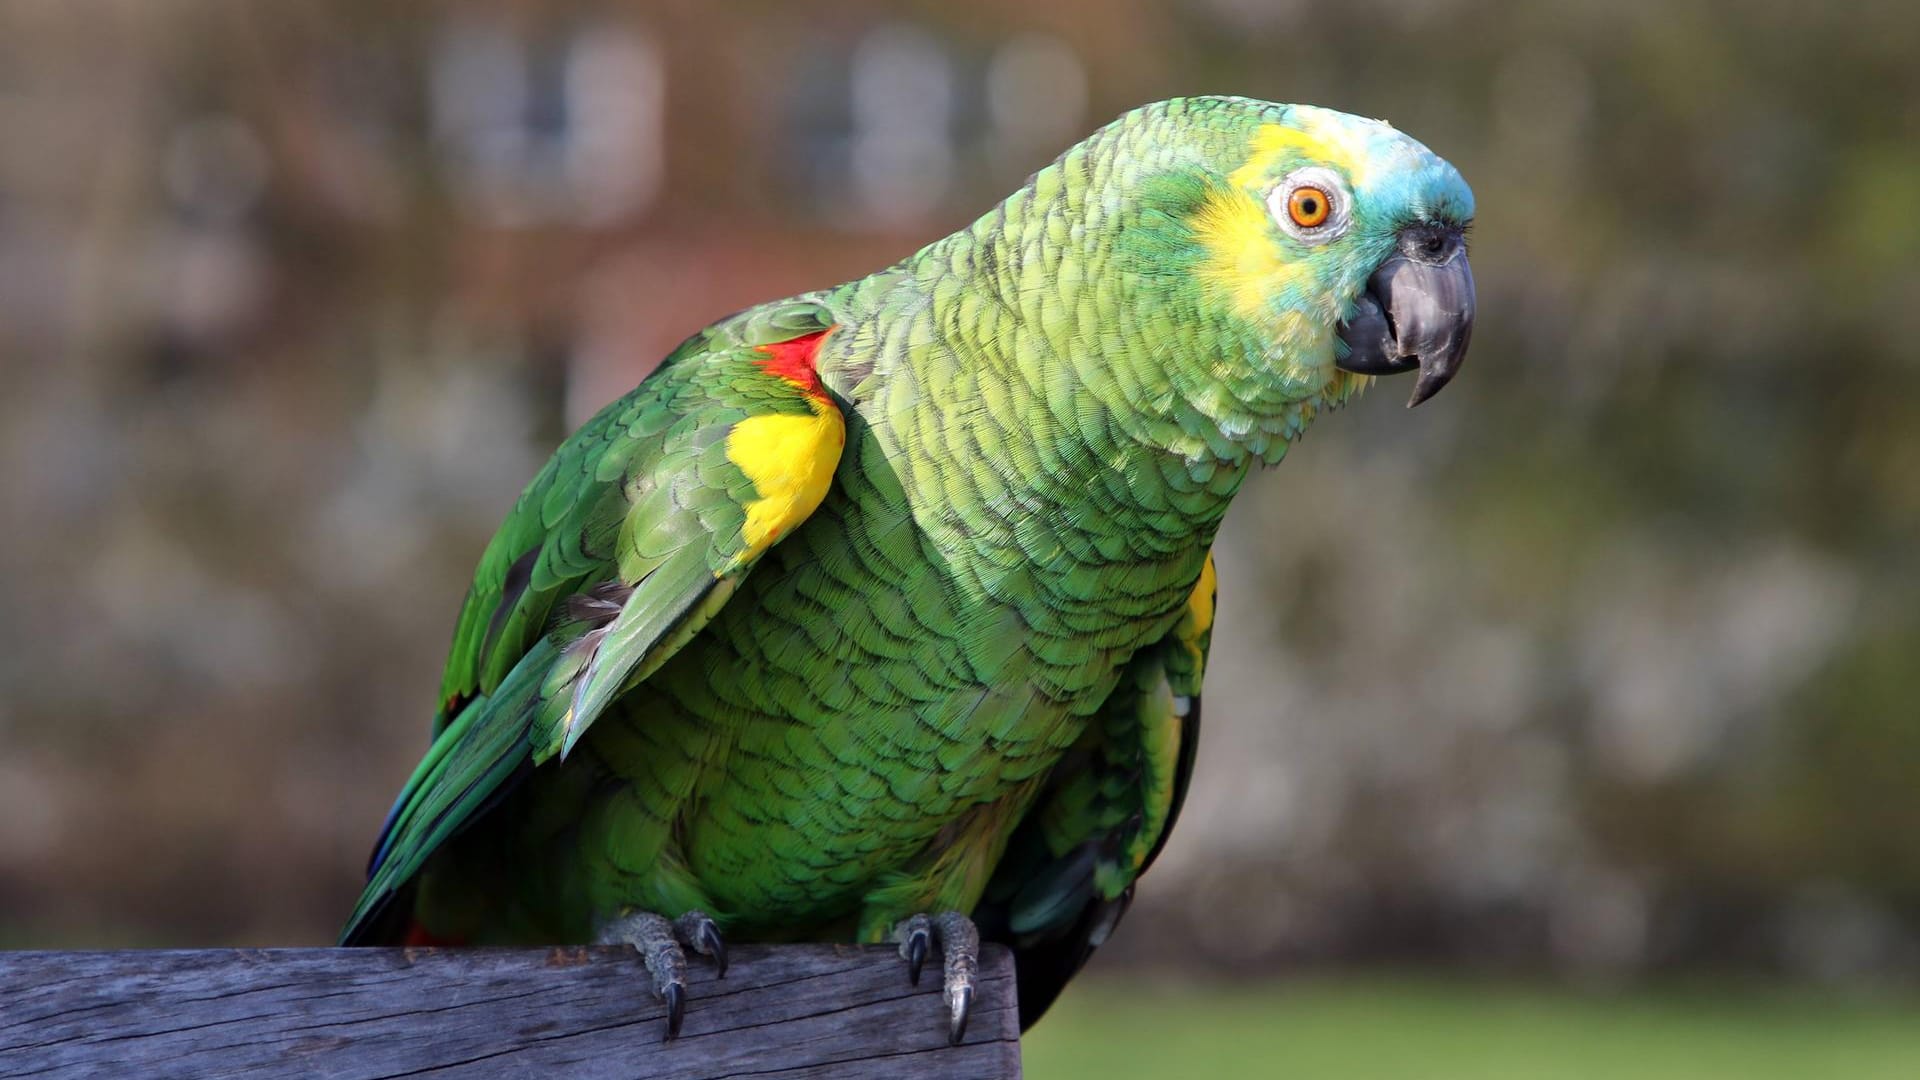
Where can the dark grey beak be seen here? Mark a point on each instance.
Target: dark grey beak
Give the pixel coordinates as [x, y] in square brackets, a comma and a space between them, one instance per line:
[1417, 312]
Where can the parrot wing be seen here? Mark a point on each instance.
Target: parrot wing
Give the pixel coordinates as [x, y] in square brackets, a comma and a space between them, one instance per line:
[623, 547]
[1070, 866]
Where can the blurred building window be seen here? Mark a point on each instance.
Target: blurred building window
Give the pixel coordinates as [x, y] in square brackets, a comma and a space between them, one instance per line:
[205, 274]
[890, 133]
[549, 128]
[617, 83]
[214, 168]
[902, 98]
[1036, 99]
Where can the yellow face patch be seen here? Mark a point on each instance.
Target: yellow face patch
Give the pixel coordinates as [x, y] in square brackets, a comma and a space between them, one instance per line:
[790, 458]
[1244, 262]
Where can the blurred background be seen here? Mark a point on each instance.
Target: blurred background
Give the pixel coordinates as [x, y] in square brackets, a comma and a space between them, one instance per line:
[1566, 726]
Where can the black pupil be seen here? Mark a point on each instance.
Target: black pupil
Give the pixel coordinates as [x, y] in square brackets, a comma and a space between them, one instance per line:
[1309, 206]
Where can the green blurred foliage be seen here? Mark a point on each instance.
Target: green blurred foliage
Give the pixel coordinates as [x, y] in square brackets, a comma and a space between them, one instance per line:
[1380, 1028]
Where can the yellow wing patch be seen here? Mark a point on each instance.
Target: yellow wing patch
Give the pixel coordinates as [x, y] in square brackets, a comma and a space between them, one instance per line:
[790, 458]
[1200, 603]
[1199, 618]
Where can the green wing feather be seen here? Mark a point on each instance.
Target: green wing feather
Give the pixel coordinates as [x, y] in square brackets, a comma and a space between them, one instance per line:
[618, 552]
[1069, 870]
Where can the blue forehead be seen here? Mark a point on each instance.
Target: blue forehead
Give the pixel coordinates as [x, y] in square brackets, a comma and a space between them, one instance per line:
[1393, 173]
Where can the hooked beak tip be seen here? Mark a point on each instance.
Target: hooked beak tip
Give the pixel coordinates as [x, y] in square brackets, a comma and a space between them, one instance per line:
[1429, 383]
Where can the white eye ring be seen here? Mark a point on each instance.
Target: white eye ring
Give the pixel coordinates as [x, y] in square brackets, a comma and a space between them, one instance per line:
[1339, 204]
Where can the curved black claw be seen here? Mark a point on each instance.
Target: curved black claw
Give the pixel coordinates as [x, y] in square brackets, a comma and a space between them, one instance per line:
[676, 995]
[710, 943]
[659, 942]
[916, 938]
[959, 1005]
[702, 935]
[917, 946]
[959, 945]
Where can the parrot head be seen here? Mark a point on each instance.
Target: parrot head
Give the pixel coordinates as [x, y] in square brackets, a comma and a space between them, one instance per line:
[1327, 242]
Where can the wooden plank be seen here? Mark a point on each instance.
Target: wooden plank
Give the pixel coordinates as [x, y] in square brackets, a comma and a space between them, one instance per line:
[785, 1012]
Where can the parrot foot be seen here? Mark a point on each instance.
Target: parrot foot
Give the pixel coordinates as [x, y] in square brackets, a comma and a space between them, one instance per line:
[658, 940]
[959, 943]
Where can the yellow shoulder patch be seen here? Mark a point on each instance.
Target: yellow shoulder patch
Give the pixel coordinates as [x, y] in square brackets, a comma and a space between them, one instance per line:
[790, 458]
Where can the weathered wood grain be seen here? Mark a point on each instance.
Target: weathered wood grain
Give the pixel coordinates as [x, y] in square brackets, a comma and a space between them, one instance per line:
[784, 1012]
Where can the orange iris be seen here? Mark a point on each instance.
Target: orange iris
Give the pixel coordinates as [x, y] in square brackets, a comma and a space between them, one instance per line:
[1308, 207]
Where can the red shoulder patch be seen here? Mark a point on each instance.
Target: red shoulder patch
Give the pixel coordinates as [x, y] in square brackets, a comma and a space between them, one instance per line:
[793, 361]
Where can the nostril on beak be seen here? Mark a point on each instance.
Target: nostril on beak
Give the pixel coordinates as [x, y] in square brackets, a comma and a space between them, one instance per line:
[1428, 243]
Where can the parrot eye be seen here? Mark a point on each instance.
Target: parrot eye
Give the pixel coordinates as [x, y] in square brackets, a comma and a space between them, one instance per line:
[1311, 205]
[1307, 206]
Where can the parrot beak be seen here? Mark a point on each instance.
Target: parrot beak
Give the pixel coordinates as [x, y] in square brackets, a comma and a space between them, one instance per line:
[1417, 312]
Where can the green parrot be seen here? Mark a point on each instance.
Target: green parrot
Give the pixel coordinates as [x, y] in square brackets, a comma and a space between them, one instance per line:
[880, 613]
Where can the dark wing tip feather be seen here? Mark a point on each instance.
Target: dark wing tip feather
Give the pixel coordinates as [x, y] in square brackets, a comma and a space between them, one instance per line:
[1042, 969]
[385, 923]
